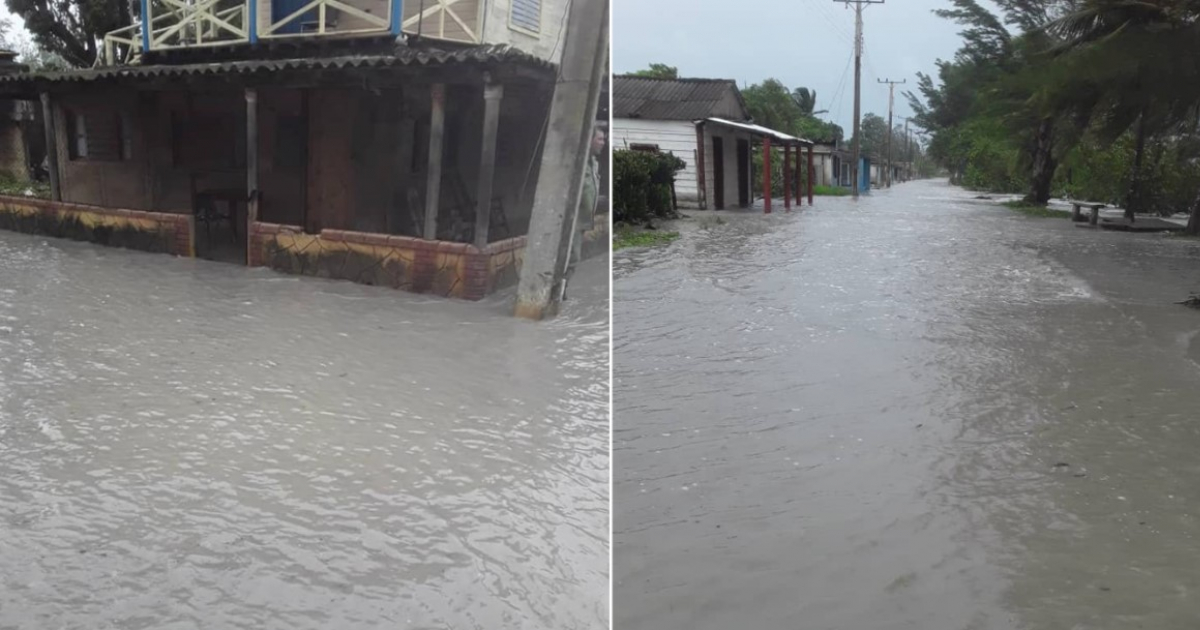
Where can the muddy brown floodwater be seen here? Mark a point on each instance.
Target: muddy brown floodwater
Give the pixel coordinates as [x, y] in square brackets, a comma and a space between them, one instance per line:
[186, 444]
[919, 411]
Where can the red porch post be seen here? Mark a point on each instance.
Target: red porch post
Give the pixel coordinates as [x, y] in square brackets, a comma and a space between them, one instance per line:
[798, 177]
[810, 175]
[787, 177]
[766, 175]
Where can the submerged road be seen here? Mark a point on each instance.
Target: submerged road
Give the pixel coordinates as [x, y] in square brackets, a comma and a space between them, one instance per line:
[186, 444]
[916, 411]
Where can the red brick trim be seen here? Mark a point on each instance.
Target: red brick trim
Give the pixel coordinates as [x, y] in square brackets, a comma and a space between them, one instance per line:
[179, 225]
[507, 245]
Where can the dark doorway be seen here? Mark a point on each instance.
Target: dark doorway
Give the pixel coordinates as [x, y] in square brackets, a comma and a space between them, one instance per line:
[743, 157]
[719, 173]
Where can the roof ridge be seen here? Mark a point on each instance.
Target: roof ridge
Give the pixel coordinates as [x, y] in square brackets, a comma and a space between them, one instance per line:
[678, 79]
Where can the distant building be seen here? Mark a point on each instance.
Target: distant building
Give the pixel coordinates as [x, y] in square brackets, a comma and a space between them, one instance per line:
[705, 123]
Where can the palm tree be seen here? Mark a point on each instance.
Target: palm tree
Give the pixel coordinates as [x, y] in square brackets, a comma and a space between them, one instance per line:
[1130, 64]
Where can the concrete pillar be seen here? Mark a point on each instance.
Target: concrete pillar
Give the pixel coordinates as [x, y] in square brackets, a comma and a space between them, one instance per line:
[766, 175]
[51, 147]
[787, 176]
[252, 153]
[251, 170]
[433, 182]
[702, 187]
[564, 159]
[492, 93]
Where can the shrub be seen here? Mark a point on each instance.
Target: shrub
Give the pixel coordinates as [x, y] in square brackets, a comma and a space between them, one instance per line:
[642, 185]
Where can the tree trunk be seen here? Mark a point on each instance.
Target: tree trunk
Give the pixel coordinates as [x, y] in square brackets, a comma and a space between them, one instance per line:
[1133, 201]
[1042, 175]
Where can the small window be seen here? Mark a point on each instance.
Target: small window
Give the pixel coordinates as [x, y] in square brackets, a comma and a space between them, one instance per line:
[100, 137]
[526, 16]
[77, 136]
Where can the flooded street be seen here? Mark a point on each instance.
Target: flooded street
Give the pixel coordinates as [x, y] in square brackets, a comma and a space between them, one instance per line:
[916, 411]
[186, 444]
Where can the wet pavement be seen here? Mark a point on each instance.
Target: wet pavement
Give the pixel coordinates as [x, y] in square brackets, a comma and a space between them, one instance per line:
[915, 411]
[187, 444]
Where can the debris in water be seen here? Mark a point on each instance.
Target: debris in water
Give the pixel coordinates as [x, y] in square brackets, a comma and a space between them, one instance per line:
[1193, 301]
[1062, 465]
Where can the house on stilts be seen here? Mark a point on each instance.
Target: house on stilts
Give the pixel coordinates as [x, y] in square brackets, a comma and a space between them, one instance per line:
[388, 142]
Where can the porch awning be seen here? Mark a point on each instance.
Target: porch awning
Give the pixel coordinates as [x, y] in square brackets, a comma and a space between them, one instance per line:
[403, 56]
[761, 131]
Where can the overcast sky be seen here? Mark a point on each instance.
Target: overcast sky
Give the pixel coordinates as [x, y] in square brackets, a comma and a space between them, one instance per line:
[803, 43]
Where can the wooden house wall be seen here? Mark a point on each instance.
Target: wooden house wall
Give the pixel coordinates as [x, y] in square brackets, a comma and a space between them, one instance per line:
[113, 183]
[677, 137]
[341, 158]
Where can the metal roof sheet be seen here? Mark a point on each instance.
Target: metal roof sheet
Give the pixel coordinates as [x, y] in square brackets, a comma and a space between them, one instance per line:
[671, 99]
[759, 130]
[403, 56]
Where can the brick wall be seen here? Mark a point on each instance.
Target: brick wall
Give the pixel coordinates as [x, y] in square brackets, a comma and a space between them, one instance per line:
[402, 262]
[133, 229]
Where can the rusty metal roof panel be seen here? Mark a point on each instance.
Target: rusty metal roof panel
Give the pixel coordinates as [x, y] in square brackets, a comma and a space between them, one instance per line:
[671, 99]
[403, 56]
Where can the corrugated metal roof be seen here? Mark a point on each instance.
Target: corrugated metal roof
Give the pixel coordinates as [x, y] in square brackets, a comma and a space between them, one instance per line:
[671, 99]
[759, 130]
[403, 56]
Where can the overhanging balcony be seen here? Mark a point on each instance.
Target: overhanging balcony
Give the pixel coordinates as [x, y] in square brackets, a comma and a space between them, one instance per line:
[175, 24]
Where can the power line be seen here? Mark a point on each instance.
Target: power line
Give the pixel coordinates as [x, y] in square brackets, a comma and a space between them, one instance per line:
[840, 90]
[831, 19]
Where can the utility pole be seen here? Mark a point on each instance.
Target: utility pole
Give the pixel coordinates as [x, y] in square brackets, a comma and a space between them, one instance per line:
[564, 159]
[908, 155]
[858, 46]
[891, 102]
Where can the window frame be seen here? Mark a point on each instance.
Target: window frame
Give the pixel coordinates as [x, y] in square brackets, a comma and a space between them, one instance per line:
[541, 4]
[76, 130]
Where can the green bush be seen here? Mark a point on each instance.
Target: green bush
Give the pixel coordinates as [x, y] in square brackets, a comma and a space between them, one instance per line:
[830, 191]
[642, 185]
[17, 187]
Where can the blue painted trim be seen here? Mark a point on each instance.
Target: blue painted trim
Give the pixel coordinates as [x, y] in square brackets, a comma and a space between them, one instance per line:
[145, 25]
[397, 13]
[252, 8]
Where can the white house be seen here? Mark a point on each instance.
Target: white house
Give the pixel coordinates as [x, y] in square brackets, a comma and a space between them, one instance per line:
[662, 115]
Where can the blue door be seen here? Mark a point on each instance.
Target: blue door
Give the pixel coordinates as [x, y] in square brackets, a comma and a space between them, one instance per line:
[282, 8]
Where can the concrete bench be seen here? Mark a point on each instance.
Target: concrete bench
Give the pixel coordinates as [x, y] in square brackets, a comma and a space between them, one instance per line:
[1077, 211]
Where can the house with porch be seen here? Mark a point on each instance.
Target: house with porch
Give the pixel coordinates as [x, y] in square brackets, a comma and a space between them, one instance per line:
[705, 123]
[388, 142]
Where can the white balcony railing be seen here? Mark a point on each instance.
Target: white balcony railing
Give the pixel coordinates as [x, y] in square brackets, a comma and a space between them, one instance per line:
[196, 23]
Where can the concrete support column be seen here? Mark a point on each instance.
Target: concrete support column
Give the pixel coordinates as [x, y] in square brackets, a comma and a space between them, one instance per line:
[787, 176]
[564, 160]
[251, 170]
[766, 175]
[433, 183]
[492, 93]
[51, 147]
[702, 187]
